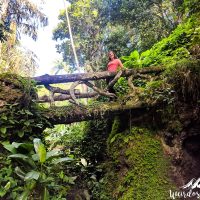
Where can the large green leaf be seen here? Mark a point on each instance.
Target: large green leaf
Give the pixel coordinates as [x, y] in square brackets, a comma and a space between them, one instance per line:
[135, 55]
[53, 153]
[32, 175]
[18, 155]
[27, 146]
[9, 147]
[15, 145]
[66, 159]
[125, 58]
[40, 149]
[35, 157]
[20, 173]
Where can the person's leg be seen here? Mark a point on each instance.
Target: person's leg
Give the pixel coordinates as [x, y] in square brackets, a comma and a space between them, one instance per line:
[110, 89]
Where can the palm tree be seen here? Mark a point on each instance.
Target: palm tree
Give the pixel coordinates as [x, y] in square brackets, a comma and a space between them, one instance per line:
[60, 66]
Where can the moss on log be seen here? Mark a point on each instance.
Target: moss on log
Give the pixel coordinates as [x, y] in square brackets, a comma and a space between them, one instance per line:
[74, 113]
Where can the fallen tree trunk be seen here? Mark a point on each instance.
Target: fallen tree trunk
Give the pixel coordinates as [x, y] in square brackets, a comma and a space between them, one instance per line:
[70, 114]
[52, 79]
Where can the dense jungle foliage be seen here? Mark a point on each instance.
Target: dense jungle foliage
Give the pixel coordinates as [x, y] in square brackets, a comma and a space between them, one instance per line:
[121, 157]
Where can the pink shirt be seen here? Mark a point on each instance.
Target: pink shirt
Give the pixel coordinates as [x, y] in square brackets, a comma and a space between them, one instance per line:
[114, 64]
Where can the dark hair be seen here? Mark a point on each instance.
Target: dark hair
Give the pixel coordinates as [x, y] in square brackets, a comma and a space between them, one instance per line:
[115, 57]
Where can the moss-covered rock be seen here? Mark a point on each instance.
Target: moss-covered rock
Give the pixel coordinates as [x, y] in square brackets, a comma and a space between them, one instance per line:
[15, 89]
[139, 167]
[20, 116]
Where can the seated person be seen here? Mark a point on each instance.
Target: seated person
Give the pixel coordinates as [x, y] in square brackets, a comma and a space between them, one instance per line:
[113, 65]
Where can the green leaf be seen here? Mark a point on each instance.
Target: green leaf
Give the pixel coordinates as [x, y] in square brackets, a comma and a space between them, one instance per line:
[3, 130]
[26, 146]
[20, 173]
[11, 121]
[7, 186]
[40, 149]
[35, 157]
[113, 139]
[31, 184]
[24, 195]
[19, 156]
[135, 55]
[32, 175]
[20, 133]
[2, 192]
[125, 58]
[28, 112]
[145, 54]
[66, 159]
[45, 194]
[9, 147]
[71, 179]
[4, 117]
[53, 153]
[27, 123]
[16, 144]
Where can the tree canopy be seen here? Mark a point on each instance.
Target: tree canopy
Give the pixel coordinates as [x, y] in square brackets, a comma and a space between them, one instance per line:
[19, 17]
[117, 25]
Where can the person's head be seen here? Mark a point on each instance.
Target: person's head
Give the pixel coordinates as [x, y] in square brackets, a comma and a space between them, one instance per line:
[111, 55]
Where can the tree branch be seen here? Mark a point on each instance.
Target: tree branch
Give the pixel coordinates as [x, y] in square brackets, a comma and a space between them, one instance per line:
[63, 97]
[98, 90]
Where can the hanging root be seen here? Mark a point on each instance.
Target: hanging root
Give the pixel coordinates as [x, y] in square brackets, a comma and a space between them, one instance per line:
[51, 96]
[71, 92]
[76, 103]
[101, 92]
[130, 83]
[115, 79]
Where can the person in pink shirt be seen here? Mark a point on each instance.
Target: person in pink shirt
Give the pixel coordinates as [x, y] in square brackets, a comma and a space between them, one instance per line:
[114, 65]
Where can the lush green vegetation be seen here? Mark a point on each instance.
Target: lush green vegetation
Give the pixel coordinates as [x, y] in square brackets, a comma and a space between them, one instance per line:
[117, 25]
[178, 46]
[102, 159]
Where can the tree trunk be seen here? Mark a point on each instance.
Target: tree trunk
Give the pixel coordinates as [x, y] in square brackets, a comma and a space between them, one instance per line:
[52, 79]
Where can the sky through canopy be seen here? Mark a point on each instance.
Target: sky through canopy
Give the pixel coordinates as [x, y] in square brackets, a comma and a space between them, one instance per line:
[44, 46]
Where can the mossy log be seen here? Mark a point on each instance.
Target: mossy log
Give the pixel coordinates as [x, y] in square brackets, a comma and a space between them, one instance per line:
[15, 89]
[74, 113]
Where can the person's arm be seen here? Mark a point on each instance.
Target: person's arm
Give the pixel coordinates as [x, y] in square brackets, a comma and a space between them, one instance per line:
[120, 64]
